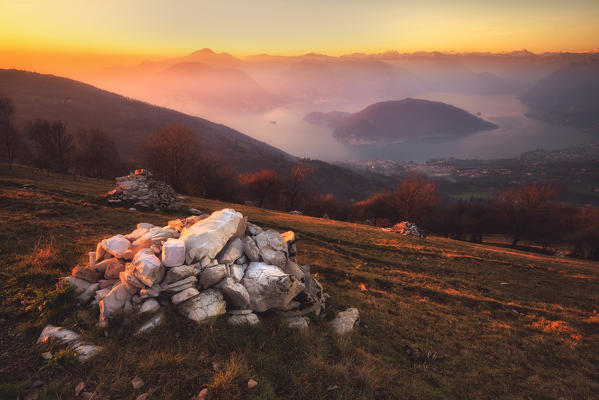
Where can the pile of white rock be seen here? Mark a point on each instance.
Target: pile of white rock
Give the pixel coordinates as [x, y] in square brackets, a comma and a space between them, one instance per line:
[140, 189]
[406, 228]
[205, 266]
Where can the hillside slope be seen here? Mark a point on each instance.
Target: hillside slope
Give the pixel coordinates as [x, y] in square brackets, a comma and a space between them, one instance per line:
[397, 121]
[440, 319]
[131, 123]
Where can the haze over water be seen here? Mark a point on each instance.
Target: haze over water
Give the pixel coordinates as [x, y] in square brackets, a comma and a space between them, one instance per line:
[516, 133]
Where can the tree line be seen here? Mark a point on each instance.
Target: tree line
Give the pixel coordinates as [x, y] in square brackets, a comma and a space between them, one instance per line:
[174, 154]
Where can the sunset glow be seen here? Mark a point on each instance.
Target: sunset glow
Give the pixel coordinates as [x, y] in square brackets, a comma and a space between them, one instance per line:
[111, 31]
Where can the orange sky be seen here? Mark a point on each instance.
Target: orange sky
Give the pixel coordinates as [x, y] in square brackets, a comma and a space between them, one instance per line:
[44, 35]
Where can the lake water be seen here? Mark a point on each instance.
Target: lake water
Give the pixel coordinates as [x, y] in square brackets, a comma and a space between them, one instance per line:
[516, 132]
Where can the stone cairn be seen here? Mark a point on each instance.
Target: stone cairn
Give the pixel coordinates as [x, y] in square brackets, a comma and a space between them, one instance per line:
[406, 228]
[140, 189]
[205, 266]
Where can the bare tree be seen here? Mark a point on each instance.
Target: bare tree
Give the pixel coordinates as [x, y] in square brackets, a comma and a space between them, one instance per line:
[524, 207]
[97, 153]
[297, 183]
[414, 197]
[9, 136]
[172, 154]
[53, 147]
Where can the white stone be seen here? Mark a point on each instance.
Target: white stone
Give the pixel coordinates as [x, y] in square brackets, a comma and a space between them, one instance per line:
[149, 306]
[297, 322]
[173, 253]
[269, 287]
[250, 249]
[209, 303]
[273, 257]
[116, 245]
[231, 252]
[235, 293]
[184, 295]
[148, 267]
[212, 275]
[345, 320]
[178, 273]
[208, 236]
[237, 271]
[80, 284]
[151, 323]
[271, 239]
[58, 333]
[242, 319]
[85, 351]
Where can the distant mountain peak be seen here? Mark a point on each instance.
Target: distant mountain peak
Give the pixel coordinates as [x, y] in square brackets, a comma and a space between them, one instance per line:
[203, 51]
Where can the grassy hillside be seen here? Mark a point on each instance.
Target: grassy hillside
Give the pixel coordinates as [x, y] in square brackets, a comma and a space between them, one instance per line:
[440, 319]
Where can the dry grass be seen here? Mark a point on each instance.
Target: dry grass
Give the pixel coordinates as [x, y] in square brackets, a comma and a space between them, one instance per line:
[440, 319]
[45, 256]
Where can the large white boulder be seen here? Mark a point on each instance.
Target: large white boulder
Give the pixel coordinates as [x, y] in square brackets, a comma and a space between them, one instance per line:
[148, 268]
[209, 303]
[173, 253]
[208, 236]
[269, 287]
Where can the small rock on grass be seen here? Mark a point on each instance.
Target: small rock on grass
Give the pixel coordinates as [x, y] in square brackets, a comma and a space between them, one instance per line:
[46, 355]
[252, 384]
[137, 383]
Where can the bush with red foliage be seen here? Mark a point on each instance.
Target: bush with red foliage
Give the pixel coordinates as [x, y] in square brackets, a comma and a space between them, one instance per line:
[263, 186]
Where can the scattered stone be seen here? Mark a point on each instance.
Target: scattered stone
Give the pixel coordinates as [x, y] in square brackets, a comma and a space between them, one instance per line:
[242, 319]
[252, 384]
[83, 350]
[345, 320]
[46, 355]
[151, 323]
[298, 322]
[137, 383]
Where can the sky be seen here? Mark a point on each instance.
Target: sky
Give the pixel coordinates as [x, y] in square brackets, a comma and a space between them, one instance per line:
[34, 32]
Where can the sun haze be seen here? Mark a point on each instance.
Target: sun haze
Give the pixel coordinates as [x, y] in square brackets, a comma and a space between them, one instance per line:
[112, 31]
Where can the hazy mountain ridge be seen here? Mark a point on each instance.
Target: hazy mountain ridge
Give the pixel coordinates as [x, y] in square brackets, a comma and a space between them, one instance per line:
[569, 96]
[397, 121]
[130, 123]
